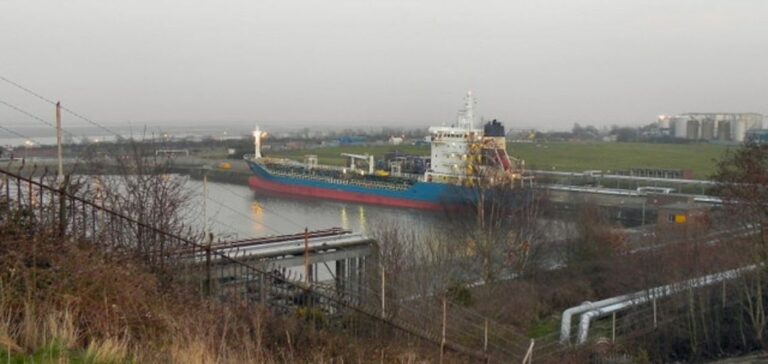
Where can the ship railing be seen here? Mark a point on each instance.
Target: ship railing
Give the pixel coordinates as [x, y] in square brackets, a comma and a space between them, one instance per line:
[367, 184]
[293, 171]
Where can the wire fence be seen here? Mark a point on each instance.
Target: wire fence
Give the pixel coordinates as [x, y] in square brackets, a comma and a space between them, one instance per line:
[48, 204]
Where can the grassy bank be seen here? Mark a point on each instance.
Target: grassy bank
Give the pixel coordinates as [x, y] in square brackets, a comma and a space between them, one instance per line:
[65, 299]
[565, 156]
[699, 158]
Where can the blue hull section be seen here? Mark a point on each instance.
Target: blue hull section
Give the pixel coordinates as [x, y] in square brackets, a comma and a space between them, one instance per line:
[420, 192]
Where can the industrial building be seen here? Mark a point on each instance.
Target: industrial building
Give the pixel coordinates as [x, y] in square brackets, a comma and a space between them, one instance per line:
[757, 136]
[730, 127]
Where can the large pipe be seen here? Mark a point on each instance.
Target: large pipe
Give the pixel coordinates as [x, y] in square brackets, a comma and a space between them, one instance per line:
[565, 320]
[295, 247]
[614, 304]
[623, 177]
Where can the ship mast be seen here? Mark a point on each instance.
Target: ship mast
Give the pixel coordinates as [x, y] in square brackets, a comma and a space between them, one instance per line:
[257, 143]
[466, 119]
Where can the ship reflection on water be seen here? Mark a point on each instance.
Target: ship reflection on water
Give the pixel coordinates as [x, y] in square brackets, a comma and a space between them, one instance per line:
[257, 212]
[252, 214]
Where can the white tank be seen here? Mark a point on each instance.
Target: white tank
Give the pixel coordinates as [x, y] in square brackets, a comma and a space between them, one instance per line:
[739, 130]
[707, 131]
[663, 121]
[724, 130]
[694, 129]
[681, 127]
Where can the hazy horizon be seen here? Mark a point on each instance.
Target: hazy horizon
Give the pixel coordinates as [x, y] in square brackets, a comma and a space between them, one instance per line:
[364, 64]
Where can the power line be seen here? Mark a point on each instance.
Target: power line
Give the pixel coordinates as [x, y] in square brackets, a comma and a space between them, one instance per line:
[233, 230]
[242, 215]
[19, 135]
[27, 113]
[33, 116]
[27, 90]
[263, 207]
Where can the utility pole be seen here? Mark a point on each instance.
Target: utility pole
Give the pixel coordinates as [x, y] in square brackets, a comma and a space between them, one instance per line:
[205, 203]
[58, 140]
[307, 271]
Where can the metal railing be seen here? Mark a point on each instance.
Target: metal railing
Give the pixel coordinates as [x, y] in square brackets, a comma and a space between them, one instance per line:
[50, 205]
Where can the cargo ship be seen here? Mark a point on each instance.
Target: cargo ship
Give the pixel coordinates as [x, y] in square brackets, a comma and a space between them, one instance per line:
[464, 161]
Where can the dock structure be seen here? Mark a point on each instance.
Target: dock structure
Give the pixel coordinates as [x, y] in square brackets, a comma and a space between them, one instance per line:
[333, 258]
[287, 251]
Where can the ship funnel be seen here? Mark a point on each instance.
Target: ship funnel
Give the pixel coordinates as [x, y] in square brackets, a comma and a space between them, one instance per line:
[257, 143]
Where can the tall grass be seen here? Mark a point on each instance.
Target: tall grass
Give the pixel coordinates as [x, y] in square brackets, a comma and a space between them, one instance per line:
[68, 300]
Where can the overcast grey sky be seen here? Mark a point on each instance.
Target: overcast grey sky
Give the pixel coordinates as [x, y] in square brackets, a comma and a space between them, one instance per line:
[543, 63]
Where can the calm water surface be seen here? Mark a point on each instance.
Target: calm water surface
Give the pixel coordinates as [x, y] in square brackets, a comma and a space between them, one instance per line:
[237, 212]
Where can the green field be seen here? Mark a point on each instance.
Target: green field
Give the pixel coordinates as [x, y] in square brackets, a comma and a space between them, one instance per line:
[566, 156]
[699, 158]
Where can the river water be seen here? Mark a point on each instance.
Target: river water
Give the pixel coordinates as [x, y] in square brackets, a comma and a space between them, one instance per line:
[236, 212]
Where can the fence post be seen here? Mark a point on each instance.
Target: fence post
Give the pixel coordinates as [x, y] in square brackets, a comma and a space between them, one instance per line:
[19, 197]
[307, 273]
[29, 184]
[63, 207]
[383, 293]
[208, 265]
[723, 293]
[445, 321]
[529, 354]
[485, 342]
[7, 192]
[263, 287]
[40, 197]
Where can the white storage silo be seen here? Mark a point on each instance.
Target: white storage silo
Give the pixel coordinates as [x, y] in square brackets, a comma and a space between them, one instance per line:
[707, 131]
[694, 129]
[680, 125]
[723, 130]
[738, 130]
[663, 121]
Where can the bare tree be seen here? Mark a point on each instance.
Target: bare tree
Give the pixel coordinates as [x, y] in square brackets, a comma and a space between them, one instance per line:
[135, 183]
[742, 178]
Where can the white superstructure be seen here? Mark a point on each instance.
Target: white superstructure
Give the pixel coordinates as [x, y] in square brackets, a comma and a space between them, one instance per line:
[451, 144]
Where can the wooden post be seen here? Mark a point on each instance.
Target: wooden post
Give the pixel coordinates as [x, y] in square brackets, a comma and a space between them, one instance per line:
[654, 313]
[485, 341]
[31, 203]
[62, 209]
[445, 321]
[529, 354]
[208, 265]
[613, 328]
[723, 293]
[263, 288]
[58, 140]
[383, 293]
[205, 203]
[306, 256]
